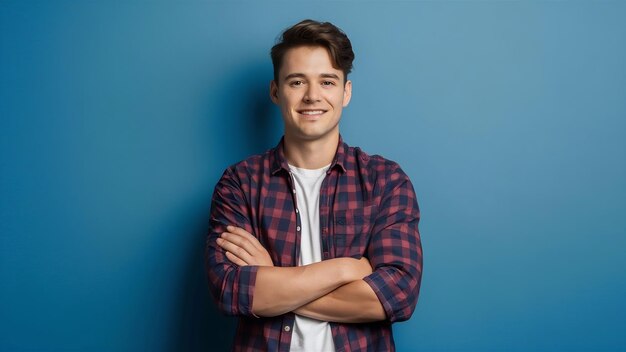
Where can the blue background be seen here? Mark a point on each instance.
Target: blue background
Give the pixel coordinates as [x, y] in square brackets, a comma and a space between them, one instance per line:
[118, 117]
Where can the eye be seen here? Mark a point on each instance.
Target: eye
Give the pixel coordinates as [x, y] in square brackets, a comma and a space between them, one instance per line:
[296, 83]
[328, 83]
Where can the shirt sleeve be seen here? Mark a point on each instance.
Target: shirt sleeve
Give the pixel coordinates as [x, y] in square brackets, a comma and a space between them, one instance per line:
[395, 249]
[232, 286]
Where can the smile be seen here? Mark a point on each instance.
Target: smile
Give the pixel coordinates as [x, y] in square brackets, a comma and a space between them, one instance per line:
[311, 112]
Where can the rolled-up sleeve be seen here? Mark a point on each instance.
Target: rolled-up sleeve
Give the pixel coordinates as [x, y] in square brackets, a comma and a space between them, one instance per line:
[395, 249]
[232, 286]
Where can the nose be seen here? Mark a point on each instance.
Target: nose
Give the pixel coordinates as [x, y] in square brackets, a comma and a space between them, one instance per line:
[312, 94]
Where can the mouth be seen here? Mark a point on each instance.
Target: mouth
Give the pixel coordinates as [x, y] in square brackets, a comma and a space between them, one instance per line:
[312, 113]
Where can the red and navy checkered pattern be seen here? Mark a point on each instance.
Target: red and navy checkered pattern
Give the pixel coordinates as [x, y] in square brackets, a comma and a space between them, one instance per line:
[367, 208]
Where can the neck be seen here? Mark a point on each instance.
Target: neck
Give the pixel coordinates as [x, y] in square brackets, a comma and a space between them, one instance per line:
[313, 154]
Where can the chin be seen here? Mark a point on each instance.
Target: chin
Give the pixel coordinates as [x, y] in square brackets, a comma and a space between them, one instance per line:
[314, 135]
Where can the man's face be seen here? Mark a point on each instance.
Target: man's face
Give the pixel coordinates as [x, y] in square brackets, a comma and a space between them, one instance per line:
[310, 93]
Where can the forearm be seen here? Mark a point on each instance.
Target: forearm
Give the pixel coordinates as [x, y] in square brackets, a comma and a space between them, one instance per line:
[354, 302]
[279, 290]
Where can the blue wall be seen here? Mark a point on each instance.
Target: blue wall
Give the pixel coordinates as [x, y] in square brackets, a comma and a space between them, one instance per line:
[118, 117]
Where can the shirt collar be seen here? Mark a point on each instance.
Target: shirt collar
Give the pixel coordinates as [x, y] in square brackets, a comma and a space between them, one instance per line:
[279, 161]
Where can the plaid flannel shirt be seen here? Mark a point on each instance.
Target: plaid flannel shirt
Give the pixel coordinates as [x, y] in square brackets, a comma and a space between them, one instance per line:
[367, 208]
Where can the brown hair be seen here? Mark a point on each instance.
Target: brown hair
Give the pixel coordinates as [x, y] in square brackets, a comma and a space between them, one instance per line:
[314, 33]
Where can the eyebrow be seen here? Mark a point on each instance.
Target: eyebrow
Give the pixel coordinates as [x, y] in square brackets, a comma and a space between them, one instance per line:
[301, 75]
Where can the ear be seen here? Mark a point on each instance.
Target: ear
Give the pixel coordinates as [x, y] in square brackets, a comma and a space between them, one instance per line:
[274, 92]
[347, 93]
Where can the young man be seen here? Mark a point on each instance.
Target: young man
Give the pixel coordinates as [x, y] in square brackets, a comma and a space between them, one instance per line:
[314, 244]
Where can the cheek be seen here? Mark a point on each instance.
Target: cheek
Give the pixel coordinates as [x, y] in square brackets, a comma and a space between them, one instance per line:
[288, 102]
[339, 102]
[284, 103]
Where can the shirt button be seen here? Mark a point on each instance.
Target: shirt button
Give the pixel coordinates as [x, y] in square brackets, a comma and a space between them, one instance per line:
[287, 328]
[296, 210]
[298, 228]
[294, 190]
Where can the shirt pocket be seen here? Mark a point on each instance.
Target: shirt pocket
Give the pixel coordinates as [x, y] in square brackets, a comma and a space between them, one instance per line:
[352, 231]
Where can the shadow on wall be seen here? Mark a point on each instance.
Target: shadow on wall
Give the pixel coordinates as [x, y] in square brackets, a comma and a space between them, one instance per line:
[241, 121]
[198, 326]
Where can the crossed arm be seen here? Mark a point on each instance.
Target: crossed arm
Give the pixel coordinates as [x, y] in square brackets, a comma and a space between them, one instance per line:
[331, 290]
[244, 281]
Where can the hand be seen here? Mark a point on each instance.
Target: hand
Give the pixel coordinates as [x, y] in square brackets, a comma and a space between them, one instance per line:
[242, 248]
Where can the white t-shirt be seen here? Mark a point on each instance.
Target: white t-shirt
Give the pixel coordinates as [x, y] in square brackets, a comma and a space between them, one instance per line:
[310, 335]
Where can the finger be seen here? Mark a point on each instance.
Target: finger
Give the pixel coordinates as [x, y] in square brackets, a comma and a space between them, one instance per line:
[236, 260]
[249, 257]
[260, 255]
[245, 234]
[241, 241]
[235, 249]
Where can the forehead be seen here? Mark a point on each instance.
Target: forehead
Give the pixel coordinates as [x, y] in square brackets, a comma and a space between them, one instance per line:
[308, 60]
